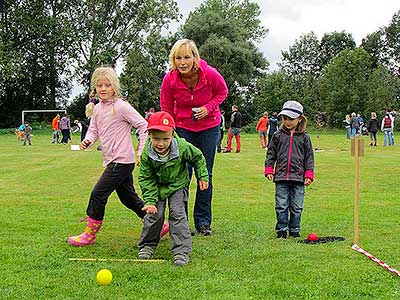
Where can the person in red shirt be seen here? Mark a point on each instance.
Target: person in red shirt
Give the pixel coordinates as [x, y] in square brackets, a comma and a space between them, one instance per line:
[262, 128]
[56, 129]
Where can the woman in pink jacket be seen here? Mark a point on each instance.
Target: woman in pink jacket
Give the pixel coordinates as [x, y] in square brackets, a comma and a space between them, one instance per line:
[192, 92]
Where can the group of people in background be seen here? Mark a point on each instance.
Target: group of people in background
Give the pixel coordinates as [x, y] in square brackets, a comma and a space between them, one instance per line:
[355, 125]
[63, 125]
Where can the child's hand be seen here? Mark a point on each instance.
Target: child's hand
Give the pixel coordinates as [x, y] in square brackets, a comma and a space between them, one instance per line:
[307, 181]
[84, 144]
[150, 209]
[270, 177]
[203, 185]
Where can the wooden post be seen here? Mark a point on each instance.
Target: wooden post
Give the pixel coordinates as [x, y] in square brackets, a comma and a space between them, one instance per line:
[357, 150]
[356, 187]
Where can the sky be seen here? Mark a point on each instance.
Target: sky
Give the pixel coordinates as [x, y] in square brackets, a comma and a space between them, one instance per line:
[287, 20]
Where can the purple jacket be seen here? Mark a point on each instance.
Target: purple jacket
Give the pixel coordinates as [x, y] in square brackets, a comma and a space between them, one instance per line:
[178, 100]
[114, 131]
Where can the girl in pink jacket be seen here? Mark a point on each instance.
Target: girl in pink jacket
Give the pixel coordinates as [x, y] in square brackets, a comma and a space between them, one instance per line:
[111, 122]
[192, 92]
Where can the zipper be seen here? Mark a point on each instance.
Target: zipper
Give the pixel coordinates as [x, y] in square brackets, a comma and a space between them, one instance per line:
[289, 155]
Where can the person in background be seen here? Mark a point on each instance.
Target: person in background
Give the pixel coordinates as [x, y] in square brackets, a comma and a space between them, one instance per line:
[273, 125]
[149, 113]
[27, 133]
[65, 127]
[221, 132]
[372, 128]
[387, 126]
[111, 122]
[191, 92]
[163, 178]
[234, 130]
[55, 127]
[262, 128]
[347, 124]
[355, 124]
[20, 132]
[361, 122]
[290, 164]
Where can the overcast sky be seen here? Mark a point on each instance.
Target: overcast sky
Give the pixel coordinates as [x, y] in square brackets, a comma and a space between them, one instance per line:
[287, 20]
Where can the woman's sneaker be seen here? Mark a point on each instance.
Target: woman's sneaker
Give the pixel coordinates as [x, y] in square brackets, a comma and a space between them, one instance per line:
[181, 259]
[204, 230]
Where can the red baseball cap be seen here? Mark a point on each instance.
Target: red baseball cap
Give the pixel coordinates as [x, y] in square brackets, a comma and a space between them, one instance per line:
[161, 120]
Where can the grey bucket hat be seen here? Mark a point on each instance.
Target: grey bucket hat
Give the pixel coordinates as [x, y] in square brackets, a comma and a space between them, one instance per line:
[292, 109]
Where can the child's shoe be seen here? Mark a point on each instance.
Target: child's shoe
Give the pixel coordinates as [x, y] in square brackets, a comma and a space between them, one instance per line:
[164, 230]
[281, 234]
[146, 252]
[181, 259]
[294, 234]
[88, 237]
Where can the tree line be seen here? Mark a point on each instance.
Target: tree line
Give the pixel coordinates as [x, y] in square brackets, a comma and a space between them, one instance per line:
[45, 45]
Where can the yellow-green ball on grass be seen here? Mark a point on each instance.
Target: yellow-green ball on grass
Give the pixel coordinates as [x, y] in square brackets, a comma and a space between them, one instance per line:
[104, 277]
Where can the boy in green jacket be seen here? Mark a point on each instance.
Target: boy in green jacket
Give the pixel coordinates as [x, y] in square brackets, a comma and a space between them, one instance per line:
[164, 177]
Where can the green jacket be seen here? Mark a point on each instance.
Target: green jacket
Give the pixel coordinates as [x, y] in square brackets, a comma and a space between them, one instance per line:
[160, 179]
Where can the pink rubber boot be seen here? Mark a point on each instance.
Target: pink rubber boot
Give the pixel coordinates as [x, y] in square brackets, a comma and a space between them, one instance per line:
[88, 237]
[164, 229]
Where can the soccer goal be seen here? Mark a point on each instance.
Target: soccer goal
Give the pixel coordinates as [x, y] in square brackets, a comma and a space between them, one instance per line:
[40, 111]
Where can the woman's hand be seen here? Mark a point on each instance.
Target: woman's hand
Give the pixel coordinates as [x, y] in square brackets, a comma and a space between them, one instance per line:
[307, 181]
[201, 113]
[203, 185]
[270, 177]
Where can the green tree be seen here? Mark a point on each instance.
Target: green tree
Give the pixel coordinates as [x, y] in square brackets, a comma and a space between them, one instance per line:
[225, 32]
[108, 30]
[344, 84]
[382, 91]
[144, 71]
[392, 32]
[273, 90]
[333, 43]
[303, 58]
[375, 45]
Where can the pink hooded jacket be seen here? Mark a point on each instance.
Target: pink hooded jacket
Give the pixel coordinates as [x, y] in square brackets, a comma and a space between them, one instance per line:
[178, 100]
[114, 131]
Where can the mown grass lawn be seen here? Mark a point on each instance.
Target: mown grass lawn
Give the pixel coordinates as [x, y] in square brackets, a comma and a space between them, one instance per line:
[44, 191]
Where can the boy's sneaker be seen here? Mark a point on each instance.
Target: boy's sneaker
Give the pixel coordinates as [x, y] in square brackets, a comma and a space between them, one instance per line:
[294, 234]
[281, 234]
[204, 230]
[181, 259]
[146, 252]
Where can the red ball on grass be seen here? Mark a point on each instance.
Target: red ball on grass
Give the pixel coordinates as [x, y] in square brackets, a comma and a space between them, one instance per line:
[312, 237]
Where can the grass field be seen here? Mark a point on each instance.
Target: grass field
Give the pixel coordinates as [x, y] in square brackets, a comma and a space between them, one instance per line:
[44, 193]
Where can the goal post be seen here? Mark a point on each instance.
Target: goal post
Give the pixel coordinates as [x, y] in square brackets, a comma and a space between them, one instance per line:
[40, 111]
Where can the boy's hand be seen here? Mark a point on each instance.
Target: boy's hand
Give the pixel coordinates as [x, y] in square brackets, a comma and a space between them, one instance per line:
[84, 144]
[270, 177]
[307, 181]
[203, 185]
[150, 209]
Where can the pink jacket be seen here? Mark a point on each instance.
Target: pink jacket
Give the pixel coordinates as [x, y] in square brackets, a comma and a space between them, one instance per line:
[114, 131]
[177, 99]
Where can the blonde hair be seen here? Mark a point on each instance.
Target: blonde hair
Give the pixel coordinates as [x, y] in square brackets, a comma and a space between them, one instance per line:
[112, 76]
[373, 115]
[189, 45]
[301, 126]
